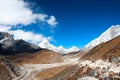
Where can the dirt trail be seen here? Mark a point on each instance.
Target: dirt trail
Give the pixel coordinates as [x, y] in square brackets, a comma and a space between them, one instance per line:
[33, 68]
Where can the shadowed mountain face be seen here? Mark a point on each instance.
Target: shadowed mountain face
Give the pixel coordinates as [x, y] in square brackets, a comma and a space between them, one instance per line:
[10, 46]
[107, 51]
[4, 35]
[21, 46]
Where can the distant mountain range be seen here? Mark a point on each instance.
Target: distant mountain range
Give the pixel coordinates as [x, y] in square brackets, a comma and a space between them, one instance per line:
[9, 44]
[60, 49]
[109, 34]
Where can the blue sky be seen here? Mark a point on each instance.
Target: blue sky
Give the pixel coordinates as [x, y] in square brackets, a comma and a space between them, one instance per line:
[79, 21]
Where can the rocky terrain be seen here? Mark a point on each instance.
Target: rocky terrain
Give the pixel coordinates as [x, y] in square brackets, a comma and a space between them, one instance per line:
[107, 51]
[11, 46]
[8, 70]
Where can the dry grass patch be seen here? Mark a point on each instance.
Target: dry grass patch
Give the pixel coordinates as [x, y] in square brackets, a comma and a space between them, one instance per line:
[48, 73]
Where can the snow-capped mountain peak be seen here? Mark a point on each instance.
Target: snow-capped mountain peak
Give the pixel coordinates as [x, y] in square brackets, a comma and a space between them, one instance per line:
[109, 34]
[61, 47]
[45, 44]
[74, 48]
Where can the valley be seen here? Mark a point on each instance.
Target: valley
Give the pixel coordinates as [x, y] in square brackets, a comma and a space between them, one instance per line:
[21, 60]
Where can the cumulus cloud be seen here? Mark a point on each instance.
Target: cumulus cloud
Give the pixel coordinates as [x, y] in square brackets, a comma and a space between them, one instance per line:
[52, 21]
[28, 36]
[14, 12]
[4, 28]
[18, 12]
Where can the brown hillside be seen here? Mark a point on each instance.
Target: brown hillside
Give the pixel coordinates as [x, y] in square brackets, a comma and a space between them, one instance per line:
[79, 54]
[105, 51]
[40, 57]
[51, 72]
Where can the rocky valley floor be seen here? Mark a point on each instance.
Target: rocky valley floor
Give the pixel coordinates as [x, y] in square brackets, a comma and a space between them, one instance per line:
[71, 69]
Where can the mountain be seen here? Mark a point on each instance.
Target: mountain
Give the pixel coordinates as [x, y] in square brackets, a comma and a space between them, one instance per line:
[109, 50]
[63, 50]
[45, 44]
[15, 55]
[109, 34]
[8, 44]
[100, 63]
[6, 39]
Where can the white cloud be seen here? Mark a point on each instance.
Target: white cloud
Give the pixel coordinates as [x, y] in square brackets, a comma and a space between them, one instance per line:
[41, 17]
[52, 21]
[4, 28]
[25, 35]
[14, 12]
[28, 36]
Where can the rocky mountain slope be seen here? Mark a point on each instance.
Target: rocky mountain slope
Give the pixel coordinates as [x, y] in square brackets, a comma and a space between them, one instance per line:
[107, 51]
[9, 45]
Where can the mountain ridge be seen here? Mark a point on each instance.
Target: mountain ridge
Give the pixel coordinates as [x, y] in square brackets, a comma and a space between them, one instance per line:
[109, 34]
[45, 44]
[9, 43]
[11, 46]
[107, 50]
